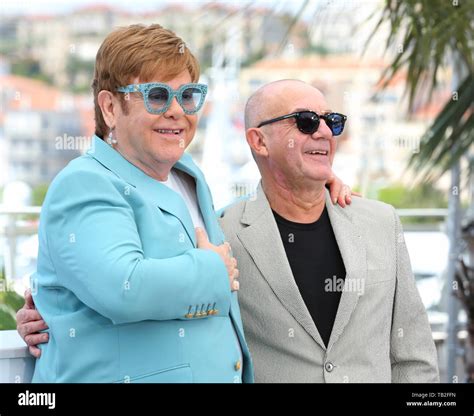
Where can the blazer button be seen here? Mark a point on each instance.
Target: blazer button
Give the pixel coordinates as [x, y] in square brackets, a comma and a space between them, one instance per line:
[329, 366]
[238, 365]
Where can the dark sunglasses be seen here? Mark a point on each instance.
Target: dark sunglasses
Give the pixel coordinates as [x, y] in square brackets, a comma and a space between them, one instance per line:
[308, 121]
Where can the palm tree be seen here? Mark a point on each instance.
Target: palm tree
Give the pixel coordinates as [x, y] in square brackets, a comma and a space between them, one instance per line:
[434, 35]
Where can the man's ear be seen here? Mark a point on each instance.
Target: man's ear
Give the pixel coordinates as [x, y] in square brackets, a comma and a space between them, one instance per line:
[256, 141]
[109, 106]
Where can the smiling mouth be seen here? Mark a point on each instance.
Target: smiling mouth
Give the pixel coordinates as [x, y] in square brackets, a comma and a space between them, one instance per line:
[169, 131]
[317, 152]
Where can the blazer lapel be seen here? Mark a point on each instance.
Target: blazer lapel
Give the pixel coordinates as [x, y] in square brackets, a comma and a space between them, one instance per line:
[353, 252]
[263, 242]
[204, 199]
[165, 198]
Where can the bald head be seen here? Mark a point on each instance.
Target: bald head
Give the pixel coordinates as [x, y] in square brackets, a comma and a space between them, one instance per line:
[271, 98]
[280, 148]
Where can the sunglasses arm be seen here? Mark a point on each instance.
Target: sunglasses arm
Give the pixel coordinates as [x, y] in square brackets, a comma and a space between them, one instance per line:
[274, 120]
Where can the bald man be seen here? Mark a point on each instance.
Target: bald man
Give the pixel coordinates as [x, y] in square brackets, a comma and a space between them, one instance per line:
[327, 294]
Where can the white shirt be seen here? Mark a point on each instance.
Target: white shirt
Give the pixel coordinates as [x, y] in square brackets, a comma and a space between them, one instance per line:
[184, 185]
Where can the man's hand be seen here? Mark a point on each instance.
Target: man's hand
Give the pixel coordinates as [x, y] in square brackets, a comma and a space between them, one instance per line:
[225, 252]
[340, 193]
[29, 322]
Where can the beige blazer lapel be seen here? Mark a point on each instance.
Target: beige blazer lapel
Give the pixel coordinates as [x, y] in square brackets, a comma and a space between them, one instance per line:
[263, 242]
[353, 252]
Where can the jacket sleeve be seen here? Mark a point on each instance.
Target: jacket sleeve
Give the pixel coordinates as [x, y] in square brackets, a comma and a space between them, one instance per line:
[413, 352]
[95, 247]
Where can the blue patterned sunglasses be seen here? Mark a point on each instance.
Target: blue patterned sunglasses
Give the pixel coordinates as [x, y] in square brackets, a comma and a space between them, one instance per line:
[158, 97]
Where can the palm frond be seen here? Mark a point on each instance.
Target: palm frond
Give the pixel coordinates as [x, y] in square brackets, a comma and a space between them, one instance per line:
[424, 37]
[453, 128]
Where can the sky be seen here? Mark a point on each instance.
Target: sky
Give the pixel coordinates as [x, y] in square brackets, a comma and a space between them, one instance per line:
[13, 7]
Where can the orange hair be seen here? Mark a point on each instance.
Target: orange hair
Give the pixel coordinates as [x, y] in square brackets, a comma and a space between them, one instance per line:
[138, 51]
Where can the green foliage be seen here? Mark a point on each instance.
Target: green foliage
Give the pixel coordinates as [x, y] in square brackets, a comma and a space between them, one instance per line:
[430, 35]
[29, 68]
[449, 137]
[422, 196]
[257, 56]
[79, 72]
[10, 303]
[317, 49]
[38, 194]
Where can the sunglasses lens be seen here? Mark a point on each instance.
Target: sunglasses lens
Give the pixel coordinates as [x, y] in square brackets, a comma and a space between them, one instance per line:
[307, 122]
[191, 99]
[335, 123]
[158, 98]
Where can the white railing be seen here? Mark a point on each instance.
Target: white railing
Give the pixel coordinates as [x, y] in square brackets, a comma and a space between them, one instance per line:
[16, 363]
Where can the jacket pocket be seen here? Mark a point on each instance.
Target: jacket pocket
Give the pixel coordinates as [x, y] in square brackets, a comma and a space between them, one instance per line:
[375, 276]
[176, 374]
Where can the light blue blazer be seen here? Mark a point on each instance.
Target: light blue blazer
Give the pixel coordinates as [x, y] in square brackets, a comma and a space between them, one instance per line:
[125, 292]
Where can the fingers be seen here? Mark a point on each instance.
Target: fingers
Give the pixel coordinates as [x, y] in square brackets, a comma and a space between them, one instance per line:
[341, 198]
[233, 274]
[231, 265]
[30, 328]
[348, 198]
[344, 198]
[235, 283]
[35, 351]
[346, 192]
[225, 252]
[27, 315]
[38, 338]
[29, 303]
[335, 188]
[201, 238]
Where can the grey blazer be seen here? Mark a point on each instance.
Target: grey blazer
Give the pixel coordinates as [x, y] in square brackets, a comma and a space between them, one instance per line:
[381, 332]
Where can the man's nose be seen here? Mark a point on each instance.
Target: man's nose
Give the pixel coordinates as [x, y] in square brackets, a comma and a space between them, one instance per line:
[323, 130]
[175, 109]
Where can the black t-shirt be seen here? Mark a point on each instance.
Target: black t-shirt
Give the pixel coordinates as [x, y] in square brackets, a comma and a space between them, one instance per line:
[315, 259]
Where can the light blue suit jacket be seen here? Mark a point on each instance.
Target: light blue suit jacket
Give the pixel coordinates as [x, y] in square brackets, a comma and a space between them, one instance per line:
[125, 292]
